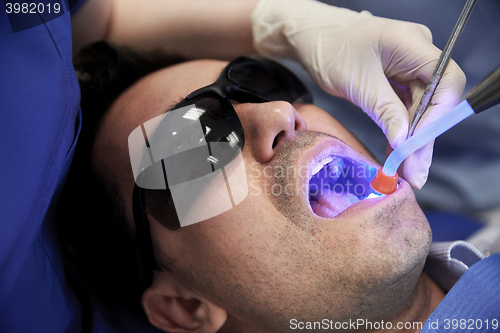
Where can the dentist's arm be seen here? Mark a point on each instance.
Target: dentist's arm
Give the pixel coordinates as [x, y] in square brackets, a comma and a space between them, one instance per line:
[193, 28]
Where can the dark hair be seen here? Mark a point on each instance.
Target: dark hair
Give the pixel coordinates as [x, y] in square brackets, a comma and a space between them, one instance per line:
[100, 253]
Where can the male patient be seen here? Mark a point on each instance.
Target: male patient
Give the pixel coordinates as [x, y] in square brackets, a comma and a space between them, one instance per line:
[276, 259]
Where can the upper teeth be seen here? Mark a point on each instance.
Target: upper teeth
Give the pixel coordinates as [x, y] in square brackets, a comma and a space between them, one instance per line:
[318, 166]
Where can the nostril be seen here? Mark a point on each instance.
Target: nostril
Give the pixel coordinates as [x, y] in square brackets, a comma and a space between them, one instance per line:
[300, 123]
[275, 141]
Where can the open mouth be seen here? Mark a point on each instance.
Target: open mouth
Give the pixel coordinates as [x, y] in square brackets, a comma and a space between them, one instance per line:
[338, 182]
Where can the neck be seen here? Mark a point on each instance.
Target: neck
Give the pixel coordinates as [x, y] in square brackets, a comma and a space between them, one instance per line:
[427, 297]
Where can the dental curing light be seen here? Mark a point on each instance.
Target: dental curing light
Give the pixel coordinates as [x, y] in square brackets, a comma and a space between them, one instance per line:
[482, 97]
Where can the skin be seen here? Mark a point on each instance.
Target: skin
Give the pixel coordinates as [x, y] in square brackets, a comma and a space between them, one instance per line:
[196, 29]
[272, 258]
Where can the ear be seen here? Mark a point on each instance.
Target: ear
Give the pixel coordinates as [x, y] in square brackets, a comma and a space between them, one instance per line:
[173, 308]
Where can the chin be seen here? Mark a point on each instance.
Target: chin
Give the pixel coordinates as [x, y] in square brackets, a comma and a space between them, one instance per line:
[410, 237]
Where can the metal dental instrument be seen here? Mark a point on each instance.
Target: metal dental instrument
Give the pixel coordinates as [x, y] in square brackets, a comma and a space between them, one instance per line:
[444, 58]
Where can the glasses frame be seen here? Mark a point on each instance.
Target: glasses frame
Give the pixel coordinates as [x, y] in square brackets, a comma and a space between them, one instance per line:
[223, 89]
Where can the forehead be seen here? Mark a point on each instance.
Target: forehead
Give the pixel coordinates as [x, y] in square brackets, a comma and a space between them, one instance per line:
[163, 89]
[153, 95]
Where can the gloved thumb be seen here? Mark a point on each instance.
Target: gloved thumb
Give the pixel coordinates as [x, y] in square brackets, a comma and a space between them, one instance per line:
[415, 168]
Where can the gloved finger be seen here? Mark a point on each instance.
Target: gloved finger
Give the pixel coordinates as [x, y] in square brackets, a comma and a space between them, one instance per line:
[447, 95]
[417, 89]
[403, 93]
[385, 107]
[417, 68]
[415, 169]
[416, 61]
[410, 59]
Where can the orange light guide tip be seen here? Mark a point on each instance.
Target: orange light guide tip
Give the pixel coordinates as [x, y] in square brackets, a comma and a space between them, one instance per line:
[383, 183]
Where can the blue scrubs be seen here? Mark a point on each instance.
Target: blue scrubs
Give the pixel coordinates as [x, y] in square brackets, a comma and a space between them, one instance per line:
[39, 125]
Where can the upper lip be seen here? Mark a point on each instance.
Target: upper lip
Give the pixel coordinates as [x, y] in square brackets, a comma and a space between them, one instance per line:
[329, 146]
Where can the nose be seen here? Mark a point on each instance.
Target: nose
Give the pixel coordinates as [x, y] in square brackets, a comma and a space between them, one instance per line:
[267, 125]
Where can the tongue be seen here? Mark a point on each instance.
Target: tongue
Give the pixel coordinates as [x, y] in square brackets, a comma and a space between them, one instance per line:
[330, 204]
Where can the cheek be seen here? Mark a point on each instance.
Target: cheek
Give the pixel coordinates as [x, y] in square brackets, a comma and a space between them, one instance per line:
[224, 242]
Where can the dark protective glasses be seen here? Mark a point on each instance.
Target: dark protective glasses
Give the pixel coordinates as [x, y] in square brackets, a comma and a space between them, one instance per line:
[178, 156]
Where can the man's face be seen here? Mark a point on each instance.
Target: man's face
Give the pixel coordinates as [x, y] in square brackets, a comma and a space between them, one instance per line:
[277, 255]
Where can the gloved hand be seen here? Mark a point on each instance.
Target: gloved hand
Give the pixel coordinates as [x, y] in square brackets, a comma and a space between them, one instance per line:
[379, 64]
